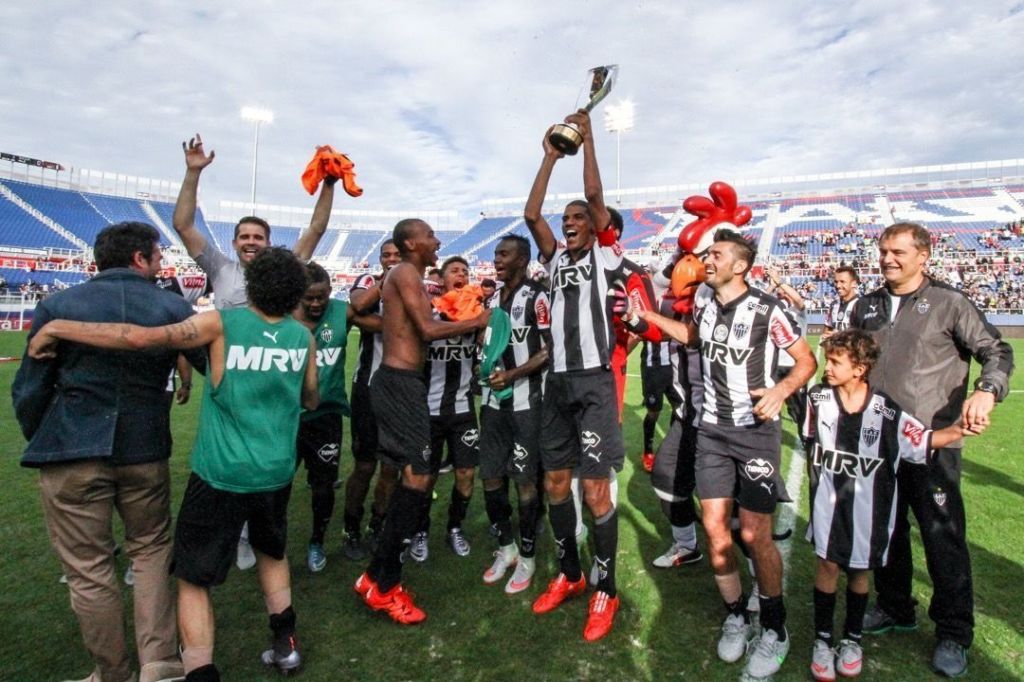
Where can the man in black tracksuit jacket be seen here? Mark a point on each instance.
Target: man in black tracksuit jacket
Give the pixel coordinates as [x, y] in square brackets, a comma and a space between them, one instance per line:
[928, 332]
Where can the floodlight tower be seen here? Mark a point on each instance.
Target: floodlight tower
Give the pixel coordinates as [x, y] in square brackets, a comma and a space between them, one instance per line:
[256, 116]
[619, 118]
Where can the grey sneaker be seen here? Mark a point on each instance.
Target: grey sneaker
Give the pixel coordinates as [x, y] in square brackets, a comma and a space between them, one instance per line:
[458, 542]
[316, 559]
[284, 656]
[949, 659]
[418, 547]
[352, 549]
[823, 662]
[504, 558]
[767, 654]
[878, 622]
[733, 642]
[678, 555]
[851, 658]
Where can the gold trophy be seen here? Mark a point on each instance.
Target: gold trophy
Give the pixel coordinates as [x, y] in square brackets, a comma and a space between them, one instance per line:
[565, 137]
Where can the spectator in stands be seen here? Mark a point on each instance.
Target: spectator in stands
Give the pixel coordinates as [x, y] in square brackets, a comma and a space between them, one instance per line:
[3, 285]
[98, 430]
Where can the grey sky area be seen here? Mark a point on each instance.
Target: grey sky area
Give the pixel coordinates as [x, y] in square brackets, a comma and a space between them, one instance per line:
[443, 104]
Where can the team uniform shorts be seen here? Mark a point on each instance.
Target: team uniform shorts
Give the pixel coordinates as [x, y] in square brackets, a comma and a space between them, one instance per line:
[364, 424]
[740, 461]
[509, 444]
[580, 424]
[210, 521]
[656, 382]
[461, 434]
[318, 447]
[673, 476]
[399, 399]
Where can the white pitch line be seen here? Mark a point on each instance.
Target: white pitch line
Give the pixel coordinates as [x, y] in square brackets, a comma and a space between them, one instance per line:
[787, 515]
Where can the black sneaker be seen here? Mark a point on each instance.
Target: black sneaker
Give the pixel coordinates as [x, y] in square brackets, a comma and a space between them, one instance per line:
[949, 659]
[352, 548]
[284, 656]
[878, 622]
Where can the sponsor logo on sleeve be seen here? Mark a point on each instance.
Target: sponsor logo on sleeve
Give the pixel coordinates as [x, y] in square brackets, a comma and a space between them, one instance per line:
[913, 433]
[543, 314]
[781, 333]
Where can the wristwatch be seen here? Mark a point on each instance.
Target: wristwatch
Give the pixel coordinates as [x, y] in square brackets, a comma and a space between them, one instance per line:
[986, 386]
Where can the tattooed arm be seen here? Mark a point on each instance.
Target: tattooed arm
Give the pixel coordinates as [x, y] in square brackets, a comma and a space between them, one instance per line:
[198, 330]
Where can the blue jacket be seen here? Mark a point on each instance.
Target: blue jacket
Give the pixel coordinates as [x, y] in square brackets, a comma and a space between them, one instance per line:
[90, 403]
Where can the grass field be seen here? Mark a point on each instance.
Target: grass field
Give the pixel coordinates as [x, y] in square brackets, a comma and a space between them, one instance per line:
[666, 628]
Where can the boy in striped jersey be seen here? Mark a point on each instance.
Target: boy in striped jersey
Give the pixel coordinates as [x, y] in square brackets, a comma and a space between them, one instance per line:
[859, 436]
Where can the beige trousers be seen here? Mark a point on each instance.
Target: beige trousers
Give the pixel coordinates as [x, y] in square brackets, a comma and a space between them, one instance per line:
[79, 499]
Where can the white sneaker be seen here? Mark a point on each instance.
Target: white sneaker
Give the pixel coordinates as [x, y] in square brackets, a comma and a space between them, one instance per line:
[733, 642]
[245, 559]
[823, 662]
[418, 547]
[523, 575]
[678, 555]
[767, 654]
[503, 558]
[851, 658]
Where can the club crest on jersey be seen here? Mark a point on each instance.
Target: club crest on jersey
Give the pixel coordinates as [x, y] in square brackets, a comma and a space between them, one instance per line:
[517, 312]
[721, 333]
[886, 412]
[470, 437]
[940, 497]
[328, 452]
[870, 435]
[326, 334]
[740, 330]
[589, 440]
[923, 307]
[756, 469]
[571, 275]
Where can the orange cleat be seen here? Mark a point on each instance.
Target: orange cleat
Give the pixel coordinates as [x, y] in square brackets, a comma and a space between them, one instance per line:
[601, 617]
[363, 584]
[397, 602]
[647, 459]
[558, 591]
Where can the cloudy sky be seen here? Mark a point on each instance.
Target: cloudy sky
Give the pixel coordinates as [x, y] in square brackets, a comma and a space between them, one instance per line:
[443, 104]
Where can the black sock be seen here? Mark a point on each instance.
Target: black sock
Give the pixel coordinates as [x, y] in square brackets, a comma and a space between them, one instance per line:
[738, 608]
[376, 524]
[606, 542]
[204, 673]
[528, 509]
[650, 422]
[401, 522]
[563, 526]
[824, 613]
[283, 626]
[856, 605]
[773, 615]
[499, 512]
[323, 508]
[681, 512]
[354, 521]
[423, 518]
[457, 509]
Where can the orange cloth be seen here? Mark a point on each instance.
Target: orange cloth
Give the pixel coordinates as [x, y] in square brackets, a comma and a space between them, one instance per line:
[461, 304]
[329, 163]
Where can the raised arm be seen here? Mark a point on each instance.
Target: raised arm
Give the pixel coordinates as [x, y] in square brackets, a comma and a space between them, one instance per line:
[533, 213]
[310, 237]
[198, 330]
[409, 286]
[592, 188]
[184, 220]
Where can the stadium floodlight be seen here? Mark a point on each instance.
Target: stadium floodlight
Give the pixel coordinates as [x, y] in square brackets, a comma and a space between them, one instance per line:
[619, 118]
[256, 116]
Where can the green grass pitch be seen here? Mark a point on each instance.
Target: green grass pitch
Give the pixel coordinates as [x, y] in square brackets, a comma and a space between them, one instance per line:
[666, 628]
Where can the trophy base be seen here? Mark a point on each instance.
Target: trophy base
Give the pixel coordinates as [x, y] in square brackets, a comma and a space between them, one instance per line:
[566, 138]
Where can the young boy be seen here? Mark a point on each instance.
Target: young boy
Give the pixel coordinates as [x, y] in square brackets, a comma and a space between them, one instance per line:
[859, 439]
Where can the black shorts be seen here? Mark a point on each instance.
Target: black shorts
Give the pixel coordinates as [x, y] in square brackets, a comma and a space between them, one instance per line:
[318, 447]
[657, 383]
[461, 434]
[210, 521]
[364, 425]
[580, 424]
[399, 398]
[509, 444]
[740, 461]
[673, 476]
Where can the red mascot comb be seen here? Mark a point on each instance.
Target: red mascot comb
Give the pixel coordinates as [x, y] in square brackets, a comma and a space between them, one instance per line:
[718, 211]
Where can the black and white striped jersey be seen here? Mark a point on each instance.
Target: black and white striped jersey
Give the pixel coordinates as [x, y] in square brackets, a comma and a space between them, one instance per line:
[739, 344]
[582, 329]
[371, 345]
[687, 395]
[529, 309]
[837, 318]
[449, 373]
[853, 474]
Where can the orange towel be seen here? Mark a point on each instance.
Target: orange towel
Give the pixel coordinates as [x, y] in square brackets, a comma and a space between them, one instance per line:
[329, 163]
[461, 304]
